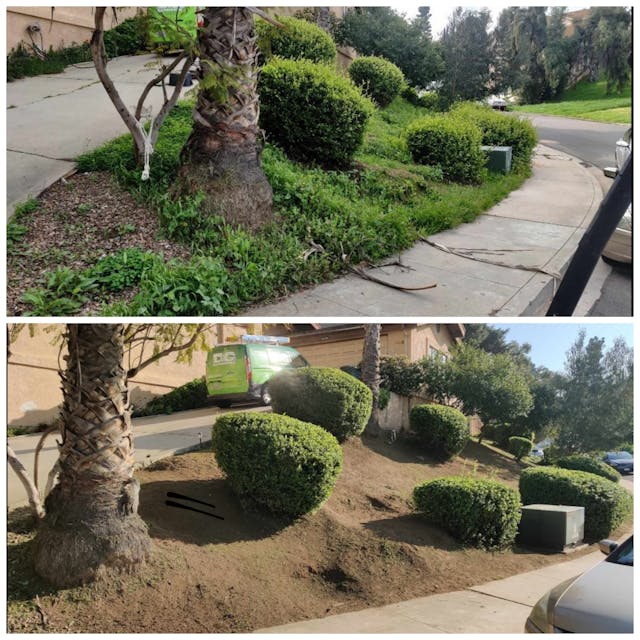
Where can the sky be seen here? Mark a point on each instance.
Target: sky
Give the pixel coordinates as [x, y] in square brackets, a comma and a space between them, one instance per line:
[550, 341]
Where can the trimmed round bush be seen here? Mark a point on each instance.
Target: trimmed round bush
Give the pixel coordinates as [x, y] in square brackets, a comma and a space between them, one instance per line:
[441, 430]
[582, 462]
[299, 39]
[520, 447]
[310, 111]
[284, 465]
[450, 143]
[605, 503]
[499, 129]
[380, 79]
[330, 398]
[481, 513]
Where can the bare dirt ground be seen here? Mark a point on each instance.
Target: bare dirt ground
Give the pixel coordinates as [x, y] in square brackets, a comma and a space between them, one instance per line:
[365, 547]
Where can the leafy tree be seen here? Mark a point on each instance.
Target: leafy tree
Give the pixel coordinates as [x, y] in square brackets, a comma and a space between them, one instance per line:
[380, 31]
[423, 20]
[596, 409]
[530, 35]
[557, 54]
[492, 386]
[613, 45]
[467, 57]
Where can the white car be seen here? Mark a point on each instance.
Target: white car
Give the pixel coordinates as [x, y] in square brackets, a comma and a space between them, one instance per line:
[598, 601]
[619, 247]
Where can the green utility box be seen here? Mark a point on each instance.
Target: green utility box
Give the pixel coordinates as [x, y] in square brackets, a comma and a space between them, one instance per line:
[498, 158]
[550, 526]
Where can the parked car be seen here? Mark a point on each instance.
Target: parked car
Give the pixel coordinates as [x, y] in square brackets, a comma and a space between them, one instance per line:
[498, 103]
[618, 248]
[598, 601]
[241, 372]
[621, 461]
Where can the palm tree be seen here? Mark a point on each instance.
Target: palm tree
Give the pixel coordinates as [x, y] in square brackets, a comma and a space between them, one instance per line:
[91, 524]
[371, 372]
[221, 158]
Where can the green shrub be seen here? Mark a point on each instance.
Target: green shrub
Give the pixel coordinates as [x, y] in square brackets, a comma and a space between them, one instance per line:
[380, 79]
[520, 447]
[582, 462]
[441, 430]
[123, 269]
[401, 375]
[191, 395]
[625, 446]
[428, 99]
[606, 504]
[311, 112]
[298, 40]
[127, 38]
[499, 129]
[330, 398]
[450, 143]
[276, 462]
[481, 513]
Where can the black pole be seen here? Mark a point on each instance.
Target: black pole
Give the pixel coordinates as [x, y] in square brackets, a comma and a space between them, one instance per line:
[584, 261]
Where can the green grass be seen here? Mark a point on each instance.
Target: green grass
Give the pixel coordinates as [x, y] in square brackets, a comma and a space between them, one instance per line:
[588, 101]
[378, 207]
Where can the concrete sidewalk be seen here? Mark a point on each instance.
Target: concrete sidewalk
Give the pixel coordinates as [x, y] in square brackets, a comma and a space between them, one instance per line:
[505, 263]
[501, 606]
[156, 437]
[51, 119]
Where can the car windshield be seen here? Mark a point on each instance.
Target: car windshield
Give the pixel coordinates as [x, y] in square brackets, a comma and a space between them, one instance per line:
[620, 455]
[623, 554]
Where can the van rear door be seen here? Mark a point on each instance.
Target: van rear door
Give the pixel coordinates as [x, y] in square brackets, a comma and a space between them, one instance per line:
[226, 370]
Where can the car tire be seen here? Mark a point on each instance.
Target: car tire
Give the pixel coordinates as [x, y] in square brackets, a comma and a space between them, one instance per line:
[265, 396]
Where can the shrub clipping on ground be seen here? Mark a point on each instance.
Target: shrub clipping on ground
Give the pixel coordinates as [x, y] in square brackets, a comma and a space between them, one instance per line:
[330, 398]
[442, 431]
[282, 464]
[481, 513]
[297, 40]
[606, 504]
[582, 462]
[311, 112]
[380, 79]
[520, 447]
[450, 143]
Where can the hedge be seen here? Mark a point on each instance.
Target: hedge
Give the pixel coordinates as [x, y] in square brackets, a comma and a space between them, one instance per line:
[284, 465]
[481, 513]
[453, 144]
[297, 40]
[606, 504]
[442, 431]
[310, 111]
[191, 395]
[520, 447]
[582, 462]
[499, 129]
[380, 79]
[330, 398]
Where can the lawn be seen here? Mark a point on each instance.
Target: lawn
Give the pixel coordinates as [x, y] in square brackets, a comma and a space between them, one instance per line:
[588, 101]
[105, 243]
[365, 547]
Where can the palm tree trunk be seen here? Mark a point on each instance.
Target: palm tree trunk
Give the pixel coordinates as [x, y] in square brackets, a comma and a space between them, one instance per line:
[221, 158]
[91, 525]
[371, 372]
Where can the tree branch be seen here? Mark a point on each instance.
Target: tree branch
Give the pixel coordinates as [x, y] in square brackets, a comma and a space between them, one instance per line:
[27, 483]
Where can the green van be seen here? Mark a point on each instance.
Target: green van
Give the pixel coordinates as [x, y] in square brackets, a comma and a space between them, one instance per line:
[241, 372]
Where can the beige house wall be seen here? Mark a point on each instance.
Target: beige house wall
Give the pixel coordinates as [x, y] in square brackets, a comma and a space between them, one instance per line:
[63, 27]
[33, 383]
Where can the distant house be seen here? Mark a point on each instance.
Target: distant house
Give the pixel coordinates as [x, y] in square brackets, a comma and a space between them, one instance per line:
[337, 345]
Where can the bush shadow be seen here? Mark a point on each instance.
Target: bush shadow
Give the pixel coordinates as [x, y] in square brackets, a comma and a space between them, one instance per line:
[404, 450]
[172, 523]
